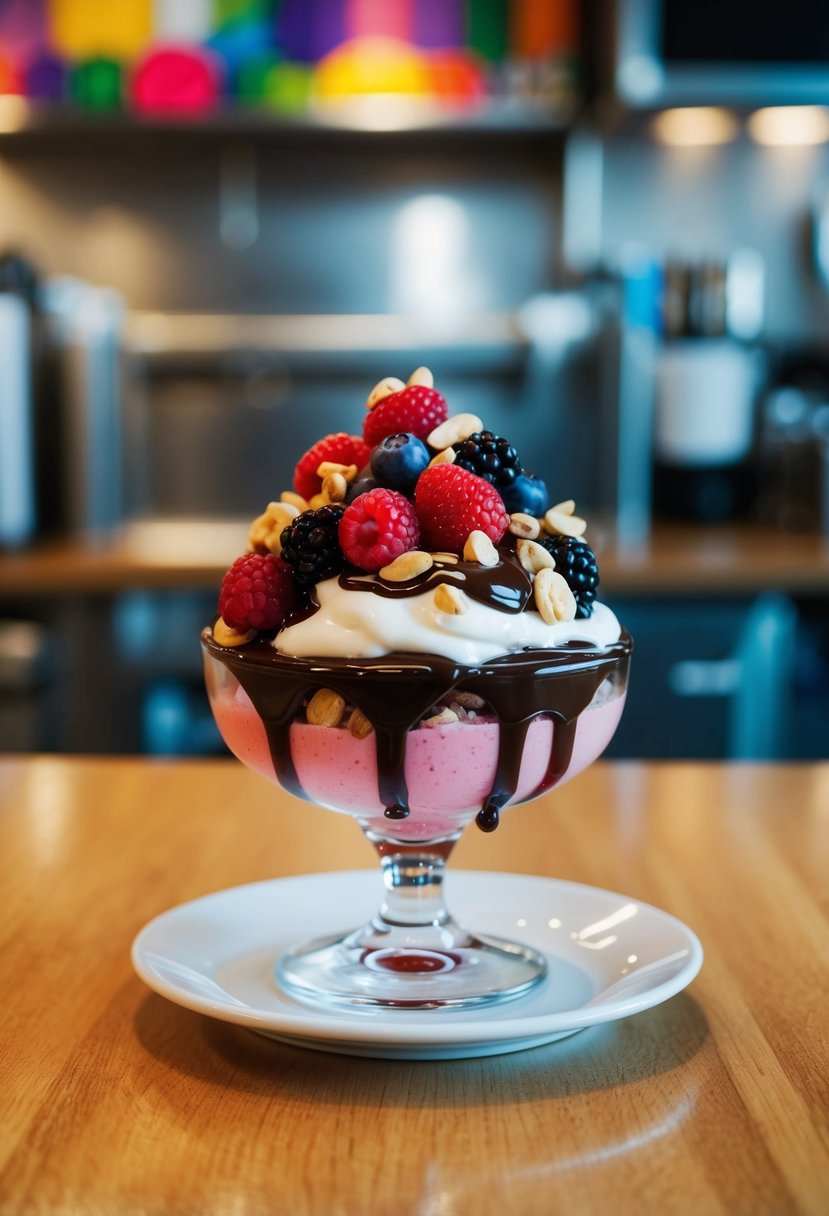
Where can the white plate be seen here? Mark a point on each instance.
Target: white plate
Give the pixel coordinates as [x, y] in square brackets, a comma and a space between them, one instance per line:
[609, 957]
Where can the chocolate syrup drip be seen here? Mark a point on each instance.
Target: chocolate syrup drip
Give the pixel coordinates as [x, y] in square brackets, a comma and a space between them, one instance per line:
[395, 692]
[506, 586]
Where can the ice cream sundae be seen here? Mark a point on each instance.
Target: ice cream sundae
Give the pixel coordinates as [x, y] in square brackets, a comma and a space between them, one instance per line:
[413, 637]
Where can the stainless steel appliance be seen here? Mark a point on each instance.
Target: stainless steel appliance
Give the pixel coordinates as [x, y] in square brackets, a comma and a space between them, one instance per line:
[61, 407]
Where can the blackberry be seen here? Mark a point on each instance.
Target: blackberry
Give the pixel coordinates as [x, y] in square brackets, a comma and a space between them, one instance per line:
[311, 545]
[576, 562]
[490, 456]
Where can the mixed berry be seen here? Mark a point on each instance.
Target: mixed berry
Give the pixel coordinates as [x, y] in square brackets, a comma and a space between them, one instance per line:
[417, 409]
[452, 502]
[377, 527]
[258, 592]
[416, 482]
[311, 546]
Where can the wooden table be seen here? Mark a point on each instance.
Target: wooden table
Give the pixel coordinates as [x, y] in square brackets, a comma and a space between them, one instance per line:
[113, 1100]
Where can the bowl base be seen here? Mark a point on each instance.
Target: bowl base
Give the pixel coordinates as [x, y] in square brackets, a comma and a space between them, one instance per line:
[452, 969]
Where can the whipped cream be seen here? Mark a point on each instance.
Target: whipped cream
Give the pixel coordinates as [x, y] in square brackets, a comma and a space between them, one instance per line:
[353, 624]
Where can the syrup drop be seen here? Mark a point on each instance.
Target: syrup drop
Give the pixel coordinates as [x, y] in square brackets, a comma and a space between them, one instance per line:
[396, 812]
[488, 818]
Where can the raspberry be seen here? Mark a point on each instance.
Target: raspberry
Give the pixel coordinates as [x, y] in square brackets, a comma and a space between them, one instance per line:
[377, 527]
[310, 545]
[339, 449]
[416, 409]
[257, 592]
[452, 502]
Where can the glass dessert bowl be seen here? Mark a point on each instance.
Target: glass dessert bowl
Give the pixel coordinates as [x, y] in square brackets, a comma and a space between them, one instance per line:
[413, 639]
[413, 783]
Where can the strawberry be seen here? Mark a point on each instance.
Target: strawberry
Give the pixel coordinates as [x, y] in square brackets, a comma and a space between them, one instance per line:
[451, 502]
[377, 527]
[339, 449]
[415, 409]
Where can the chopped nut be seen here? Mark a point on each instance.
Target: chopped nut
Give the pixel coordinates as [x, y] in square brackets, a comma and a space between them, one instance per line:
[446, 456]
[553, 597]
[326, 708]
[318, 500]
[422, 375]
[524, 525]
[563, 522]
[384, 388]
[451, 558]
[458, 710]
[359, 725]
[454, 429]
[226, 635]
[326, 467]
[445, 718]
[294, 500]
[406, 566]
[534, 557]
[567, 507]
[479, 548]
[266, 530]
[450, 600]
[335, 487]
[469, 700]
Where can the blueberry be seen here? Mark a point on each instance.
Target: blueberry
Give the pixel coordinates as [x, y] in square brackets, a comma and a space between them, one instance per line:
[527, 494]
[398, 461]
[361, 486]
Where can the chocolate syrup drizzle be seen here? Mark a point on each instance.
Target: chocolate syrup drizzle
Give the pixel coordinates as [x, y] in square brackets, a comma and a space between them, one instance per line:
[506, 586]
[396, 691]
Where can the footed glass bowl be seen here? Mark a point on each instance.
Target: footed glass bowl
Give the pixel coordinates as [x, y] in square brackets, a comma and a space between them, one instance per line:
[415, 747]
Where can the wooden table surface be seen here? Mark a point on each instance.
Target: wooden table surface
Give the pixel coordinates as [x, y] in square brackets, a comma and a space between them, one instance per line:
[113, 1100]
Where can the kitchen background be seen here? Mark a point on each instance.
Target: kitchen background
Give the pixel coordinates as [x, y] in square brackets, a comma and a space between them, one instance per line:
[604, 226]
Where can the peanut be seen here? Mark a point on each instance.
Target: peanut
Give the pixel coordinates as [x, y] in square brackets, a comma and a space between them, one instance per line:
[359, 725]
[560, 519]
[226, 635]
[445, 456]
[289, 498]
[534, 557]
[382, 389]
[553, 597]
[335, 487]
[326, 467]
[479, 548]
[422, 375]
[445, 718]
[406, 566]
[266, 530]
[524, 525]
[454, 429]
[469, 700]
[326, 708]
[450, 600]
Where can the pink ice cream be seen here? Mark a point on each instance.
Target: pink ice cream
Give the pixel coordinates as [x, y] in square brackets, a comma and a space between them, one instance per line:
[449, 769]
